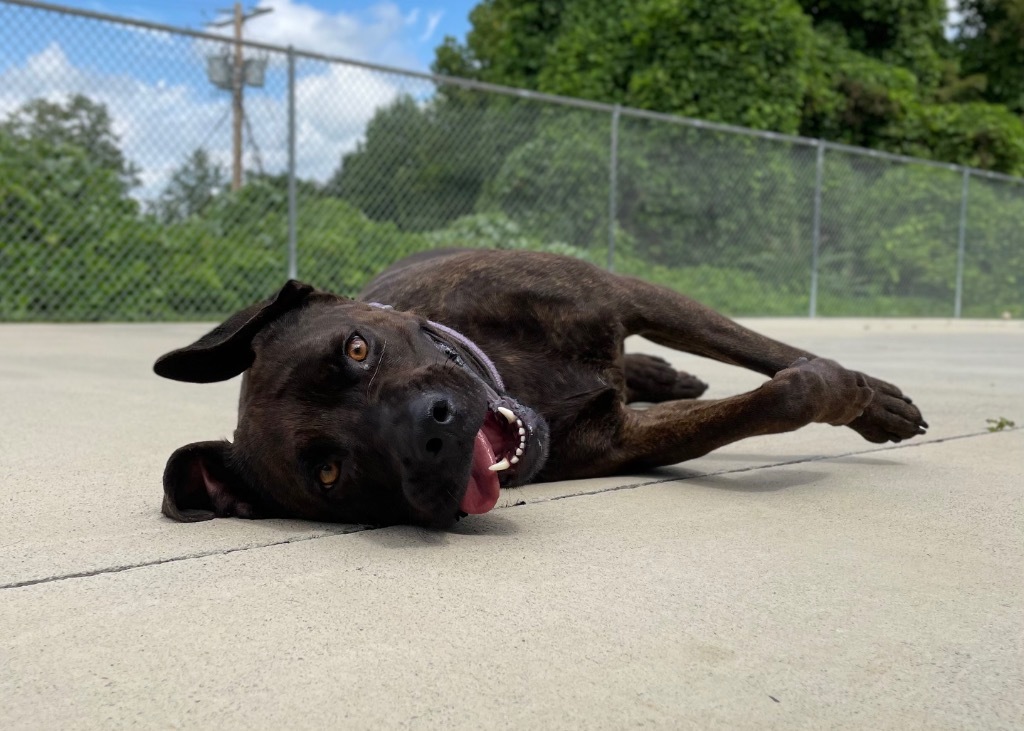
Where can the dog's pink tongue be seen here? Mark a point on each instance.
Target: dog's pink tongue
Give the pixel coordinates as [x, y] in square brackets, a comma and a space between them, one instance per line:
[483, 489]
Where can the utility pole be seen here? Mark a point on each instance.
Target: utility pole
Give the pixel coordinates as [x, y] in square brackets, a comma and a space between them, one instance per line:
[237, 102]
[237, 85]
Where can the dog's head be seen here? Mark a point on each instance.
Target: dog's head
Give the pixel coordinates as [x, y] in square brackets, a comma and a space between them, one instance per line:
[348, 413]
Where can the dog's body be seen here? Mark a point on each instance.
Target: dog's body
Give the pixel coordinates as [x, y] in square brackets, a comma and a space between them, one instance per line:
[458, 371]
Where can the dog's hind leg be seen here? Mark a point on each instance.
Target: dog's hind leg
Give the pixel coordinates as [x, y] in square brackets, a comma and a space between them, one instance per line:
[668, 318]
[653, 380]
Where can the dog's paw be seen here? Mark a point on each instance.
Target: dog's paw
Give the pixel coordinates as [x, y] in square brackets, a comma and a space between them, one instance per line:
[688, 386]
[653, 380]
[890, 417]
[822, 391]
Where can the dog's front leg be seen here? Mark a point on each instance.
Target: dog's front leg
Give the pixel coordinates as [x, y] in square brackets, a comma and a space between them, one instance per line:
[809, 391]
[670, 319]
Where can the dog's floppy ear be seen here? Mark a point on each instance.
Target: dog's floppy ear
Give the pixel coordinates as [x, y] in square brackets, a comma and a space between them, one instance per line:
[226, 351]
[200, 484]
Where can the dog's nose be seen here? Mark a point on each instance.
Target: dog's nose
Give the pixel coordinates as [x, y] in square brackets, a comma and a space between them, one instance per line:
[434, 416]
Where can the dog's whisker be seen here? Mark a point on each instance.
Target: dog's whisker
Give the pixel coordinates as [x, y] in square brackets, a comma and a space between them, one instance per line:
[376, 370]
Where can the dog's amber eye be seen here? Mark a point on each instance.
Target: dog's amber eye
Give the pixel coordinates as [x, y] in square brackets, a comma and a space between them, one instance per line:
[328, 474]
[357, 349]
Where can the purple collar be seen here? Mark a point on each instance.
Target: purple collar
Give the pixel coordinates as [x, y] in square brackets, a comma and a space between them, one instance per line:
[465, 342]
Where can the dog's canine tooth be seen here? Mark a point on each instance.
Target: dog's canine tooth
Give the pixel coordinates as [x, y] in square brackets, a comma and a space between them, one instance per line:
[500, 466]
[508, 414]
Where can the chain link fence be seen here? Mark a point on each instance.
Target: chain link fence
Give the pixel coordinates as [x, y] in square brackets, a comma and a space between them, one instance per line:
[117, 198]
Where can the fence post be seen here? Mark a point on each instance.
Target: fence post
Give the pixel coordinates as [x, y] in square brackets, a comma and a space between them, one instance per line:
[816, 227]
[961, 245]
[293, 254]
[613, 180]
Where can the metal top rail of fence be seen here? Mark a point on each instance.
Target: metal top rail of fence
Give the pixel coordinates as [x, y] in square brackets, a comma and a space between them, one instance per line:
[361, 163]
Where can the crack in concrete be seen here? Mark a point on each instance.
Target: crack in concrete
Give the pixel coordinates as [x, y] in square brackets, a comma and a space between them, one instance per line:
[183, 557]
[752, 468]
[583, 493]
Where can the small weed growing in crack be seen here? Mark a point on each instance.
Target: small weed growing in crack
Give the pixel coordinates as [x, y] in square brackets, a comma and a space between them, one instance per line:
[999, 424]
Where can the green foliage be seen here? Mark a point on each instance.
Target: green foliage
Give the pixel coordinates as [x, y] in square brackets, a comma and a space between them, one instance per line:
[990, 42]
[994, 257]
[497, 231]
[903, 33]
[422, 166]
[192, 187]
[889, 235]
[80, 123]
[999, 424]
[723, 218]
[873, 73]
[980, 135]
[684, 195]
[857, 100]
[853, 98]
[556, 185]
[57, 204]
[507, 44]
[742, 62]
[341, 249]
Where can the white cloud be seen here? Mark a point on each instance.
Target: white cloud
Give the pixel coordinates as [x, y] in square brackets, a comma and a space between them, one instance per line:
[432, 20]
[160, 123]
[374, 35]
[334, 109]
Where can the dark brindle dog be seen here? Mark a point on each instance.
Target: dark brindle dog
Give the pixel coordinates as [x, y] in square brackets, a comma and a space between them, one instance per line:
[460, 372]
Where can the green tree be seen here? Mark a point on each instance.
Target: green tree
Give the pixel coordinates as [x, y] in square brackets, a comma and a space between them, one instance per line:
[79, 122]
[859, 100]
[372, 176]
[991, 39]
[742, 62]
[192, 187]
[508, 42]
[903, 33]
[875, 73]
[424, 165]
[62, 217]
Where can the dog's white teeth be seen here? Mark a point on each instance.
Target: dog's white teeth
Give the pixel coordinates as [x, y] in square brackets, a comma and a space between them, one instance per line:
[522, 431]
[515, 460]
[507, 413]
[519, 452]
[519, 422]
[500, 466]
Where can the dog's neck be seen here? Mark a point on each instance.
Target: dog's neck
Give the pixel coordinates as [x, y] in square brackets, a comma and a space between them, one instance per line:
[474, 350]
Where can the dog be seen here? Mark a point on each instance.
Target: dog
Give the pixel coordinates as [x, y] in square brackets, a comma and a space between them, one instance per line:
[459, 372]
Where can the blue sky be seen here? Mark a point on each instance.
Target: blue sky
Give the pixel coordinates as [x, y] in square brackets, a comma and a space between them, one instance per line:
[400, 32]
[163, 106]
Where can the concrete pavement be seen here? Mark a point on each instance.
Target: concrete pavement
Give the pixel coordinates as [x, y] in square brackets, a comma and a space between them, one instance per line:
[807, 580]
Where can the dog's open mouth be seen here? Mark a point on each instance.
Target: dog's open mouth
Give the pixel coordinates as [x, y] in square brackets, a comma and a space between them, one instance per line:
[497, 449]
